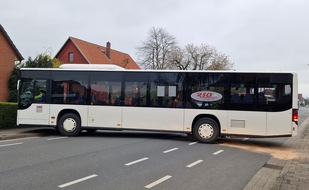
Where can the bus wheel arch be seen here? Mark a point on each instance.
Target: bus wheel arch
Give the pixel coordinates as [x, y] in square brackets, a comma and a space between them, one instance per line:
[206, 128]
[69, 123]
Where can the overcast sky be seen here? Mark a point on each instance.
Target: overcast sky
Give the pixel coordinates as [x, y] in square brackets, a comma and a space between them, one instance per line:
[257, 35]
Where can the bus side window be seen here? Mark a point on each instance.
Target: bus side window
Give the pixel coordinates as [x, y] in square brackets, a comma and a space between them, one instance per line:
[248, 98]
[235, 98]
[261, 98]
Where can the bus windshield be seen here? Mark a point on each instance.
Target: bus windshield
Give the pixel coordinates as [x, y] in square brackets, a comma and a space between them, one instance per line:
[31, 91]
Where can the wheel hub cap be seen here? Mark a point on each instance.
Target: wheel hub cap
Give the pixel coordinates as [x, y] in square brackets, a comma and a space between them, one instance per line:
[69, 125]
[206, 131]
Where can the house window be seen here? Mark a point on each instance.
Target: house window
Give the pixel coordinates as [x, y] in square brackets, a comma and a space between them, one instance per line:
[71, 55]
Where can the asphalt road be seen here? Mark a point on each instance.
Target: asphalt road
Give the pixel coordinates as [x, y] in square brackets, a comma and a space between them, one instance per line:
[130, 160]
[303, 113]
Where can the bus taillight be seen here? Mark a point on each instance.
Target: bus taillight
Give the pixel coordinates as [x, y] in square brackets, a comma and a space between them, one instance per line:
[295, 116]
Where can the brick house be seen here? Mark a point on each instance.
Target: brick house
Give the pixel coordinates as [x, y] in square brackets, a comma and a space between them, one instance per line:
[9, 55]
[78, 51]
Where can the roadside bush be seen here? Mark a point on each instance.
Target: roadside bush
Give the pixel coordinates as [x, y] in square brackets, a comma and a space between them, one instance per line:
[8, 114]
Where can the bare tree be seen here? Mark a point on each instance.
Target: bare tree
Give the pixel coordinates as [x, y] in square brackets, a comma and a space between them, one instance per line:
[200, 55]
[220, 62]
[160, 51]
[203, 57]
[154, 52]
[178, 59]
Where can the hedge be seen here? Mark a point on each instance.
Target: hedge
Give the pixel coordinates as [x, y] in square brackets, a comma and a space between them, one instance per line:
[8, 114]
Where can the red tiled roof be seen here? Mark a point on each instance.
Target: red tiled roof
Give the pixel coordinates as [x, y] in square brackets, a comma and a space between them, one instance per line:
[96, 54]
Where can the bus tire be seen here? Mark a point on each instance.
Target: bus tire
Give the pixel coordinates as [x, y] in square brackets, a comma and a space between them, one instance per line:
[69, 125]
[206, 130]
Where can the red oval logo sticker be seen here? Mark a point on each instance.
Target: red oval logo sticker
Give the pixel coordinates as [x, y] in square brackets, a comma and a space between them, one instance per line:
[206, 96]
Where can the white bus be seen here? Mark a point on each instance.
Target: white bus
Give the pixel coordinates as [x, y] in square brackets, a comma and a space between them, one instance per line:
[206, 104]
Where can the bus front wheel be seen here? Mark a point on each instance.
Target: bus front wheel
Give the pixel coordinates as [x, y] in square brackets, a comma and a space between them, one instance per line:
[69, 125]
[206, 130]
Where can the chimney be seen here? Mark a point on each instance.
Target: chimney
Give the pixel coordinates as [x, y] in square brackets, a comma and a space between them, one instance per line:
[108, 50]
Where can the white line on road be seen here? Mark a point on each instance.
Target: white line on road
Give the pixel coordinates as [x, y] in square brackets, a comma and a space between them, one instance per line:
[218, 152]
[170, 150]
[192, 143]
[194, 163]
[4, 145]
[19, 139]
[158, 182]
[77, 181]
[136, 161]
[56, 138]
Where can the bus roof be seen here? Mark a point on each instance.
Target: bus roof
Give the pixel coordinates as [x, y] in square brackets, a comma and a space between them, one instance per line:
[91, 66]
[112, 67]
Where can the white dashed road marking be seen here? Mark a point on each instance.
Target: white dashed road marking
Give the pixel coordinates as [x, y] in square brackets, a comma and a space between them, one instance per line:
[19, 139]
[170, 150]
[4, 145]
[56, 138]
[192, 143]
[194, 163]
[77, 181]
[218, 152]
[136, 161]
[158, 182]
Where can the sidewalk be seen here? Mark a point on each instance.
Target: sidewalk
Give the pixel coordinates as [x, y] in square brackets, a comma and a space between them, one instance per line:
[289, 174]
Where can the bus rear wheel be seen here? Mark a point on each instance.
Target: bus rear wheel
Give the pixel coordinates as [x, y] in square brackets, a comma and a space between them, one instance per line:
[206, 130]
[69, 125]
